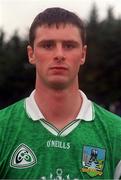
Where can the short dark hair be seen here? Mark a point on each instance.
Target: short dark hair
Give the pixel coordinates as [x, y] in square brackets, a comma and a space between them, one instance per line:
[56, 15]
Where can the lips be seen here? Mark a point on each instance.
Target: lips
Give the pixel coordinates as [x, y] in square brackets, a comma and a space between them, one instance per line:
[59, 68]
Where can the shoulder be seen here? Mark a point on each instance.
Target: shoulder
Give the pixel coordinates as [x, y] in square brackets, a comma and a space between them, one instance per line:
[12, 110]
[107, 118]
[102, 112]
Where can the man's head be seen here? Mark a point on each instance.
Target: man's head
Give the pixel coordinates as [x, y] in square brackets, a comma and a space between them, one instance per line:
[57, 48]
[52, 16]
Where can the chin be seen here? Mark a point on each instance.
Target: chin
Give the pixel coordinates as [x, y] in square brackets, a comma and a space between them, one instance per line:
[59, 85]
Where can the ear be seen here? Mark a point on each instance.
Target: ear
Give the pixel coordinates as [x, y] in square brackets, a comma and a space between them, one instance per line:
[31, 56]
[84, 50]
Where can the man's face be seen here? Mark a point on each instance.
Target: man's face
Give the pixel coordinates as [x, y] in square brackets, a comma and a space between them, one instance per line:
[57, 54]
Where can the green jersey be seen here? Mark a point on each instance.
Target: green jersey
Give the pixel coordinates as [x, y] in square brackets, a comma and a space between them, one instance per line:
[32, 148]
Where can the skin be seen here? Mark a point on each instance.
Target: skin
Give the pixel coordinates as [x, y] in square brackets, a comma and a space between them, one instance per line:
[57, 55]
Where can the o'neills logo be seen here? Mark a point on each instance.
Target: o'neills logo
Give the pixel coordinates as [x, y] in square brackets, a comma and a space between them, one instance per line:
[58, 144]
[23, 157]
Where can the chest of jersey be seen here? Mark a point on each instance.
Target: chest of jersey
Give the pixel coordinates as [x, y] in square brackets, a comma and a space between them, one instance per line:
[35, 153]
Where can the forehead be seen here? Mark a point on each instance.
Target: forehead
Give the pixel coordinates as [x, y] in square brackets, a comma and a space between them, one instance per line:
[61, 31]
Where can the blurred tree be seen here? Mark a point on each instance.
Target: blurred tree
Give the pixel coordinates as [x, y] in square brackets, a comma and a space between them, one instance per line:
[90, 71]
[15, 73]
[102, 71]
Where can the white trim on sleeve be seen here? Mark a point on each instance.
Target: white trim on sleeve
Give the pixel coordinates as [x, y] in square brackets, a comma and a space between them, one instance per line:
[117, 174]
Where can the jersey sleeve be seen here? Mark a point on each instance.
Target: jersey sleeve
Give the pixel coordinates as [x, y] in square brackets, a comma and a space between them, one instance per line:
[117, 148]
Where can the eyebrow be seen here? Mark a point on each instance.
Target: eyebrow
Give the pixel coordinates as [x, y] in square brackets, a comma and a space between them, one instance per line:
[71, 42]
[63, 41]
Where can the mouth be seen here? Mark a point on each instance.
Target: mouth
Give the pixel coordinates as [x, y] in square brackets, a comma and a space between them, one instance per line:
[58, 68]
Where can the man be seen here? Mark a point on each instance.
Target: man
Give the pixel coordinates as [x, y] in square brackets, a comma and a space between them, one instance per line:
[52, 133]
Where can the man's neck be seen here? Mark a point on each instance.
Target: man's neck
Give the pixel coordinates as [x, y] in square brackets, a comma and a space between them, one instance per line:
[59, 107]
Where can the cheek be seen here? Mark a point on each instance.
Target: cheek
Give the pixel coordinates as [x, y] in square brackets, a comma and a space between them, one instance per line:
[42, 64]
[76, 61]
[76, 65]
[42, 58]
[76, 57]
[74, 68]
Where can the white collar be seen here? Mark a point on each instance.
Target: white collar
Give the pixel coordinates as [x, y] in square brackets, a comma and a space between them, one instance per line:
[86, 112]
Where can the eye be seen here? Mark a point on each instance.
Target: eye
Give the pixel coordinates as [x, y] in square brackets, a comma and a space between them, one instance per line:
[47, 45]
[69, 45]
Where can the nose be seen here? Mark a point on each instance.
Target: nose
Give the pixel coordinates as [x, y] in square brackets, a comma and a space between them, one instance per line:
[59, 53]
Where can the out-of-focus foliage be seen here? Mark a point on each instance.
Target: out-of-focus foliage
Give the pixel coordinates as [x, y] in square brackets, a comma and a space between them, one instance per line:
[16, 75]
[100, 77]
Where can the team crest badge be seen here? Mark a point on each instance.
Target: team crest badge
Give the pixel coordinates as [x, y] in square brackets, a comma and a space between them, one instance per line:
[93, 161]
[23, 157]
